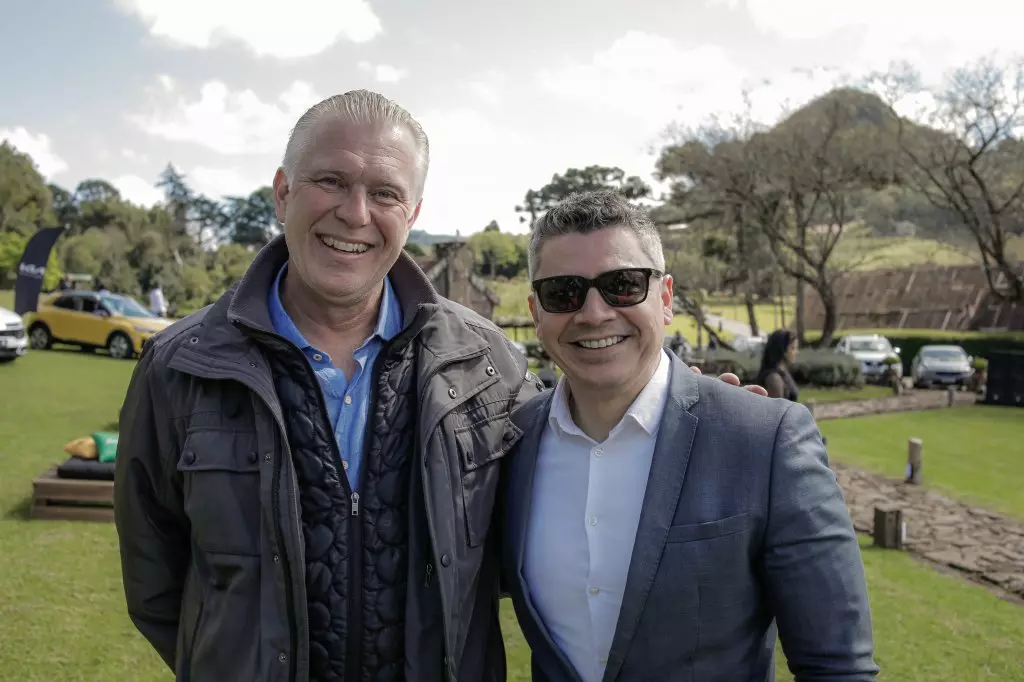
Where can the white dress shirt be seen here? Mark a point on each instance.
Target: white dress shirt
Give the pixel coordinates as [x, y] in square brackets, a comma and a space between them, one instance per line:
[586, 504]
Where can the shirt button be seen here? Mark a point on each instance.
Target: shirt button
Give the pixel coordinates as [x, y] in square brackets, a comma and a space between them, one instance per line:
[318, 357]
[277, 558]
[345, 465]
[598, 452]
[594, 591]
[281, 657]
[348, 400]
[593, 520]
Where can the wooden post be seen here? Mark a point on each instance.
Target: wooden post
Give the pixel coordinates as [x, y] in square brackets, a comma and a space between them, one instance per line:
[951, 394]
[915, 455]
[889, 528]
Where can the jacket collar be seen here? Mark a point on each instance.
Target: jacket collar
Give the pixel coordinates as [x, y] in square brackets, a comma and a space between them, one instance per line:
[248, 304]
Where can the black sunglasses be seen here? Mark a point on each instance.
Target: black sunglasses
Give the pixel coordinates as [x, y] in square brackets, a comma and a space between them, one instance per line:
[619, 289]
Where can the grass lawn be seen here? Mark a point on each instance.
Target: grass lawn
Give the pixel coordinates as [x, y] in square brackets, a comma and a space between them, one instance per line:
[62, 615]
[974, 453]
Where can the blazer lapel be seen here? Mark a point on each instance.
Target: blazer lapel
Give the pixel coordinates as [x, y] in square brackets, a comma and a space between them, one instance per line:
[664, 485]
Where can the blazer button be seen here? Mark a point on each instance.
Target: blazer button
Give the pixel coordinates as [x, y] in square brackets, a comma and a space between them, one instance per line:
[446, 560]
[190, 457]
[451, 393]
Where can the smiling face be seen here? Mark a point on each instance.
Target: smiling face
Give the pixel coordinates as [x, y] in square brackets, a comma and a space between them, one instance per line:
[348, 208]
[602, 348]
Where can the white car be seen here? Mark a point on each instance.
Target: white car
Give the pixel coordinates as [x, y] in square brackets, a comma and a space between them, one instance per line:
[871, 350]
[13, 341]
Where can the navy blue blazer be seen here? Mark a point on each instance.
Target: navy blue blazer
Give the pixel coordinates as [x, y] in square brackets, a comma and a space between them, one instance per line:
[744, 533]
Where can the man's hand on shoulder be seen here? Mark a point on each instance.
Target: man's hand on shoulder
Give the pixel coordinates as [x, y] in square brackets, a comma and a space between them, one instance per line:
[734, 380]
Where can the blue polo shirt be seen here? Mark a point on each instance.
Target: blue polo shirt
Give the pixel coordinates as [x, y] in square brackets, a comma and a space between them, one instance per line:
[347, 400]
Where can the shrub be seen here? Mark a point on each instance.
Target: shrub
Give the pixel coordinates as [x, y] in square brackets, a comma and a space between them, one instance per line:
[812, 366]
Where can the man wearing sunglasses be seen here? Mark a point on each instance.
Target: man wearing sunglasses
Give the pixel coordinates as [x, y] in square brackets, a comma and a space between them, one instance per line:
[660, 525]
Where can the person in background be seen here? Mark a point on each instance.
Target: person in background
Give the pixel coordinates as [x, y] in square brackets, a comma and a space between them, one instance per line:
[780, 352]
[157, 302]
[64, 283]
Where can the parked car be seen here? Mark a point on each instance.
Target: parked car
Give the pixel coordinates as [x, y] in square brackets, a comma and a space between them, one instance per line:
[13, 343]
[945, 365]
[92, 320]
[871, 350]
[749, 344]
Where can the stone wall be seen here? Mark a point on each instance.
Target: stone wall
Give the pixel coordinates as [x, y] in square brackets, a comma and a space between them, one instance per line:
[910, 401]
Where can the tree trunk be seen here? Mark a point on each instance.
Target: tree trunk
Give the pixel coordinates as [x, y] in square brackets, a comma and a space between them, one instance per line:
[800, 328]
[828, 302]
[748, 300]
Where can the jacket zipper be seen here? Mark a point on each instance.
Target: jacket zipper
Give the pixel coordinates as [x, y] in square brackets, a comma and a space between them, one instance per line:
[354, 647]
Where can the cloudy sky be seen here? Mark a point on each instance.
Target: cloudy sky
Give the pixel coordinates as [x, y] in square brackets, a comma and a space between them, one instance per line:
[509, 93]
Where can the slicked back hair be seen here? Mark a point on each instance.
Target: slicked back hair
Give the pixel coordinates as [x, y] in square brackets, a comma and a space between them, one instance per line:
[357, 106]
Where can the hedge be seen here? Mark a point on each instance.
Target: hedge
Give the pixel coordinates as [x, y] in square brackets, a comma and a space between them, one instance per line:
[812, 366]
[910, 341]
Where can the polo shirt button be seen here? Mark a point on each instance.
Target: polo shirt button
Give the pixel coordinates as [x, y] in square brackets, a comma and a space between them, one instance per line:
[348, 400]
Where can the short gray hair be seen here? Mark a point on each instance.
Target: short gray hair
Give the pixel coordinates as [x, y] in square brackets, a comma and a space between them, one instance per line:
[586, 212]
[357, 106]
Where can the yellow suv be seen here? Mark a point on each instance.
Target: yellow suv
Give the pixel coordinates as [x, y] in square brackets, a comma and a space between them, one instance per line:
[93, 320]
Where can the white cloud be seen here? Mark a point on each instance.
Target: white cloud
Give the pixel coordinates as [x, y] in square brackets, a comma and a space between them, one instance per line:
[933, 35]
[267, 28]
[47, 162]
[384, 73]
[220, 182]
[138, 190]
[648, 78]
[226, 121]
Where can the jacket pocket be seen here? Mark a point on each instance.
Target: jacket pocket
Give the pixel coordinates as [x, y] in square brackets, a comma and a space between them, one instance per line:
[481, 445]
[711, 529]
[221, 480]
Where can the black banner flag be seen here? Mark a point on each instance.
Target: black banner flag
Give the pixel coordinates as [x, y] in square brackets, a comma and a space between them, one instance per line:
[32, 269]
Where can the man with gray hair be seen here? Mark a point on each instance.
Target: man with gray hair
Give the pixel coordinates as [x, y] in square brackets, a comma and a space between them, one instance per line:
[658, 525]
[307, 468]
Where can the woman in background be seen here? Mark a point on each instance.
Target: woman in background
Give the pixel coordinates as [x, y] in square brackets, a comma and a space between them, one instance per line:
[779, 354]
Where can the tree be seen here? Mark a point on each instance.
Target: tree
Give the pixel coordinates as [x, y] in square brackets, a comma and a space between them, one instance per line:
[64, 207]
[537, 202]
[251, 220]
[24, 199]
[970, 158]
[497, 253]
[792, 183]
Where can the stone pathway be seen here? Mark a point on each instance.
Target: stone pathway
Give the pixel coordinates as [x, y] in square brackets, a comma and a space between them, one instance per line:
[983, 545]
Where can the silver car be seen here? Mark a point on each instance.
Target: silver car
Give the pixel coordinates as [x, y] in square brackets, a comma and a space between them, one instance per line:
[942, 365]
[871, 350]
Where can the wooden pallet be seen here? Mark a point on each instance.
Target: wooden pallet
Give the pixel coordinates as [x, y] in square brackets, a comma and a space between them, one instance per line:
[67, 499]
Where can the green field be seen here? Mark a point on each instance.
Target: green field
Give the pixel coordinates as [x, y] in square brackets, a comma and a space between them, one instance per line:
[975, 453]
[62, 614]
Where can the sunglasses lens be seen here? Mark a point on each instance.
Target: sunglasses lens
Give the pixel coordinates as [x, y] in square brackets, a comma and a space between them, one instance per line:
[561, 294]
[623, 287]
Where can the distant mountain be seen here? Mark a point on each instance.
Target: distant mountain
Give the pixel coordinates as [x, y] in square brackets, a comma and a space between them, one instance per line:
[424, 238]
